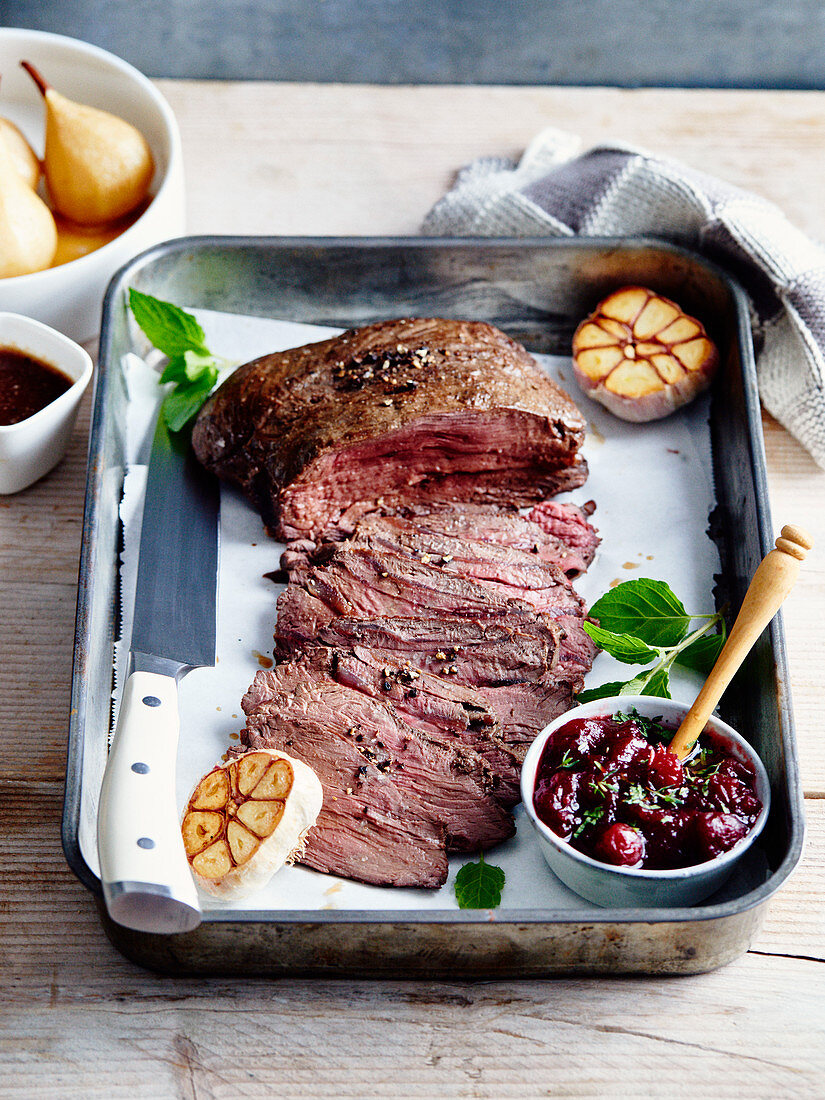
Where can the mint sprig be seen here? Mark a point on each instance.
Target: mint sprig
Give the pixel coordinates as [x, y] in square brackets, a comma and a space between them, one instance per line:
[192, 369]
[479, 885]
[649, 610]
[171, 329]
[643, 621]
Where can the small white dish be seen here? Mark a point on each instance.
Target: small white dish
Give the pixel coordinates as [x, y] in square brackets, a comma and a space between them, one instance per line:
[633, 887]
[32, 447]
[70, 297]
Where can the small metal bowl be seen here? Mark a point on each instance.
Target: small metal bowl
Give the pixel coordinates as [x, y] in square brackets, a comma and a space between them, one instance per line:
[629, 887]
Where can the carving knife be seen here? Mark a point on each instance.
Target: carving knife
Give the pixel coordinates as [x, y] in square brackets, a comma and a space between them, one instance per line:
[147, 883]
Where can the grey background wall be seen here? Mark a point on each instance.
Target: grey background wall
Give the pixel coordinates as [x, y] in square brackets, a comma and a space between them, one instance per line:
[670, 43]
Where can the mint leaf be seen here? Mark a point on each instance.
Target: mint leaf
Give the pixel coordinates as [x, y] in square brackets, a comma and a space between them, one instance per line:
[645, 608]
[601, 692]
[192, 367]
[197, 363]
[701, 655]
[169, 328]
[479, 885]
[183, 404]
[624, 647]
[175, 370]
[656, 681]
[642, 621]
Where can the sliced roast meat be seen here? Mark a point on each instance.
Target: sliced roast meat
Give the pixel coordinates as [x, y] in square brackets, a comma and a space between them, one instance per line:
[476, 558]
[512, 662]
[521, 646]
[306, 687]
[365, 583]
[364, 831]
[576, 652]
[525, 709]
[492, 489]
[368, 580]
[569, 524]
[567, 545]
[301, 621]
[363, 752]
[440, 707]
[408, 410]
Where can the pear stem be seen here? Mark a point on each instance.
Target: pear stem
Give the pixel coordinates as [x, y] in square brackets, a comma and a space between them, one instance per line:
[36, 77]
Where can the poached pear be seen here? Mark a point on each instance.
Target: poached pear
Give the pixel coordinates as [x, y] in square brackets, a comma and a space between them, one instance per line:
[23, 156]
[98, 166]
[28, 234]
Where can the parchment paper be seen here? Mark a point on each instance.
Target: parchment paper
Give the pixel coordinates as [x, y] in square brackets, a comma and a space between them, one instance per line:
[653, 488]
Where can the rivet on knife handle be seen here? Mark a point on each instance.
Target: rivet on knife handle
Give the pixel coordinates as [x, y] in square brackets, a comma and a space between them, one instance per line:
[147, 883]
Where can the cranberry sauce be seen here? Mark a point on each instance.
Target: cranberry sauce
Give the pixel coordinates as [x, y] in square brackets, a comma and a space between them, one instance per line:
[613, 790]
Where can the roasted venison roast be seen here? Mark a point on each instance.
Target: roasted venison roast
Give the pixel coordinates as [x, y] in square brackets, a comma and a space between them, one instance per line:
[408, 411]
[428, 628]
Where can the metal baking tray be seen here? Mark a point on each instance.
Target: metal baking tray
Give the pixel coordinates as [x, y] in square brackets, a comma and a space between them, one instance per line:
[536, 290]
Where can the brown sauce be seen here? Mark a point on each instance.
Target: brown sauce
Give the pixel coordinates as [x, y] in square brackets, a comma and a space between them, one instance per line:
[27, 385]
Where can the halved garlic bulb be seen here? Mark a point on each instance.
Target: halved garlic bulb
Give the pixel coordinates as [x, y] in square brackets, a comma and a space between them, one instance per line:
[247, 818]
[641, 356]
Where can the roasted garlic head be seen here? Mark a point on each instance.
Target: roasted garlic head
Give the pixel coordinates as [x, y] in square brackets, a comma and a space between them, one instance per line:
[641, 356]
[247, 818]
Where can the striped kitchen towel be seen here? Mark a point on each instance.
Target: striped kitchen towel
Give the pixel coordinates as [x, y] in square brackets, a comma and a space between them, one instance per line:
[618, 190]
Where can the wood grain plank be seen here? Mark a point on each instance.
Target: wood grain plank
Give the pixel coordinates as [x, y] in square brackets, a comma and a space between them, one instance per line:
[36, 638]
[795, 924]
[797, 493]
[50, 935]
[703, 1037]
[40, 528]
[327, 159]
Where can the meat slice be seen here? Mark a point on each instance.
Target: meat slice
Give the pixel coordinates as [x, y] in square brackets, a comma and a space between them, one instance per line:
[370, 762]
[369, 836]
[411, 410]
[570, 544]
[524, 709]
[506, 649]
[438, 706]
[512, 664]
[468, 557]
[363, 582]
[302, 619]
[489, 541]
[569, 524]
[368, 579]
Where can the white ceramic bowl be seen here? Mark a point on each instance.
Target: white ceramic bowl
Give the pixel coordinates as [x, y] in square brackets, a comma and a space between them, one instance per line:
[69, 297]
[629, 887]
[30, 449]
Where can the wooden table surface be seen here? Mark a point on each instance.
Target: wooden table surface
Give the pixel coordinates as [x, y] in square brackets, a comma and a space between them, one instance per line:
[80, 1021]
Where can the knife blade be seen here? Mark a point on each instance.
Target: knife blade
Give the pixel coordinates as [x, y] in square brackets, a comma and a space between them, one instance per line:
[147, 883]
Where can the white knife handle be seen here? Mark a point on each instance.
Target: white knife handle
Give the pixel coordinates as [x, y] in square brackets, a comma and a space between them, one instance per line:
[147, 883]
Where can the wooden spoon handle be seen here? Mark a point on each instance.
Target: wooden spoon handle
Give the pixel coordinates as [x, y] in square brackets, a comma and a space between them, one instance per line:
[772, 581]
